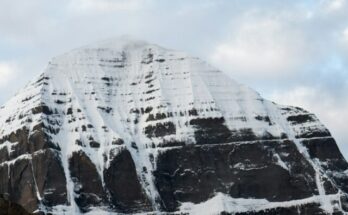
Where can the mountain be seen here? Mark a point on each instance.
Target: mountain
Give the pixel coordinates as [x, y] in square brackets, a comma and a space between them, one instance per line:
[125, 126]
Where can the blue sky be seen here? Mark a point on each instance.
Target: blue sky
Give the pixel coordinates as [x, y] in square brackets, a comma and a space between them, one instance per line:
[293, 52]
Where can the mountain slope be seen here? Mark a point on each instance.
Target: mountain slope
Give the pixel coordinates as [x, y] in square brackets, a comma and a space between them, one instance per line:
[130, 127]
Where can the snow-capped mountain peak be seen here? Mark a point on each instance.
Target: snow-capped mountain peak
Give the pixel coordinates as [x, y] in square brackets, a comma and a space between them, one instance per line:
[128, 126]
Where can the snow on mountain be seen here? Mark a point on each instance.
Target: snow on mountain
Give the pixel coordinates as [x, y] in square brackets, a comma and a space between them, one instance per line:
[126, 126]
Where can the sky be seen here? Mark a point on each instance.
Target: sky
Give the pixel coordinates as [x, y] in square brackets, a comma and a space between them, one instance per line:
[294, 52]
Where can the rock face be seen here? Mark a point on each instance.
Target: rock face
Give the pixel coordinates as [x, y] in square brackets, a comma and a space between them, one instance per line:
[10, 208]
[129, 127]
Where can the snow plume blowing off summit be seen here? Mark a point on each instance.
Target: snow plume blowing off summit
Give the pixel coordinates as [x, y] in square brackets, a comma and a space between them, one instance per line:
[130, 127]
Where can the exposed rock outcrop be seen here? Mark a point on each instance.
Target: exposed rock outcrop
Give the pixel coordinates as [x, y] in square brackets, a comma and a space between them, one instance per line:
[10, 208]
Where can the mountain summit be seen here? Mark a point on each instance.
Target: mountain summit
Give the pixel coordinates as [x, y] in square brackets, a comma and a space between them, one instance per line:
[130, 127]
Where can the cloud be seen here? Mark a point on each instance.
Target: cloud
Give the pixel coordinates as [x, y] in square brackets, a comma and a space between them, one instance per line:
[275, 42]
[281, 41]
[344, 41]
[334, 5]
[263, 47]
[7, 73]
[106, 5]
[345, 34]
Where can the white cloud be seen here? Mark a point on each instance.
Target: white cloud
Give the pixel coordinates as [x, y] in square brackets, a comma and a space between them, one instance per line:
[262, 47]
[300, 96]
[345, 33]
[106, 5]
[334, 5]
[345, 37]
[7, 73]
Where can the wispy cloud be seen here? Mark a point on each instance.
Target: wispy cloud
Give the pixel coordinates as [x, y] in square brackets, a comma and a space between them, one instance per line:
[334, 5]
[8, 72]
[106, 5]
[263, 47]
